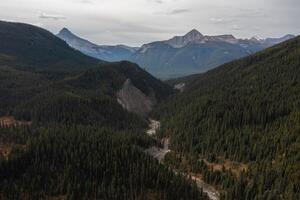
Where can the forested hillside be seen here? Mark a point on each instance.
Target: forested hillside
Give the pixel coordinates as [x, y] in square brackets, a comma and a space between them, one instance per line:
[85, 163]
[31, 48]
[246, 112]
[63, 134]
[43, 80]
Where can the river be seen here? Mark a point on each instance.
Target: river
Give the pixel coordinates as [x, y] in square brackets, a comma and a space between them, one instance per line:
[160, 153]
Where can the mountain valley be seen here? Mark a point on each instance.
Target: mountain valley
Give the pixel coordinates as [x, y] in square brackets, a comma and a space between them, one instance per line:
[79, 121]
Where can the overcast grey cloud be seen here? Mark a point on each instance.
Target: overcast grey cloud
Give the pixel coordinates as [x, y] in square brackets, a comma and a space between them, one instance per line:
[135, 22]
[172, 12]
[156, 1]
[179, 11]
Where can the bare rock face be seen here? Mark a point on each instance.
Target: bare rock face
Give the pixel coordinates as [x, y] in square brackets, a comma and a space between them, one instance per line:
[134, 100]
[180, 87]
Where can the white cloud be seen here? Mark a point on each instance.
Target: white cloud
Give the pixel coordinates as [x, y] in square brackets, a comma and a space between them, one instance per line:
[179, 11]
[217, 20]
[156, 1]
[51, 16]
[236, 27]
[173, 12]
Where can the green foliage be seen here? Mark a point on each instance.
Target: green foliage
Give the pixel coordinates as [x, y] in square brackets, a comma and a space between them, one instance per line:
[82, 162]
[75, 148]
[29, 47]
[247, 110]
[43, 80]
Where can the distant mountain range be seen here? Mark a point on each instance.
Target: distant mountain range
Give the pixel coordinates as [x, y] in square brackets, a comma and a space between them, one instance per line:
[103, 52]
[178, 56]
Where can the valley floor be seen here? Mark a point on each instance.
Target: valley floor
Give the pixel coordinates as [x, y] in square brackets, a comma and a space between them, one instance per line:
[160, 153]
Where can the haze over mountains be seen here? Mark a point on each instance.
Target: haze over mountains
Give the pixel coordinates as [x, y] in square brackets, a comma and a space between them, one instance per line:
[103, 52]
[178, 56]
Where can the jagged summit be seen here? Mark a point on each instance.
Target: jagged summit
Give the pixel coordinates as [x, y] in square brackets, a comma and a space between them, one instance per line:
[75, 41]
[66, 34]
[65, 31]
[194, 33]
[181, 41]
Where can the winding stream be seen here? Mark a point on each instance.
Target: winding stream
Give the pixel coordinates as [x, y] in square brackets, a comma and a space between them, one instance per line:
[160, 153]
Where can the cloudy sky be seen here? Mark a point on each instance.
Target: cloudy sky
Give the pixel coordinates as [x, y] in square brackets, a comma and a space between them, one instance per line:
[135, 22]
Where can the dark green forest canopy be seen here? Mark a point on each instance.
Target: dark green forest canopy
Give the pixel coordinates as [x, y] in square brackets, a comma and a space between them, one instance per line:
[247, 111]
[86, 163]
[81, 143]
[31, 48]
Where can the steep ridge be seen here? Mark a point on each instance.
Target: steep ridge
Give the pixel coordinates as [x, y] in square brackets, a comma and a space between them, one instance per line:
[246, 112]
[31, 48]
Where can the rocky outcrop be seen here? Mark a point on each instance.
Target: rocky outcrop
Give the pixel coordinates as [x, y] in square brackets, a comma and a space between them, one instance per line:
[134, 100]
[180, 87]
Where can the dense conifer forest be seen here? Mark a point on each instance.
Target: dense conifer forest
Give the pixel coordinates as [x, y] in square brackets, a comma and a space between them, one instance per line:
[82, 162]
[247, 112]
[63, 135]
